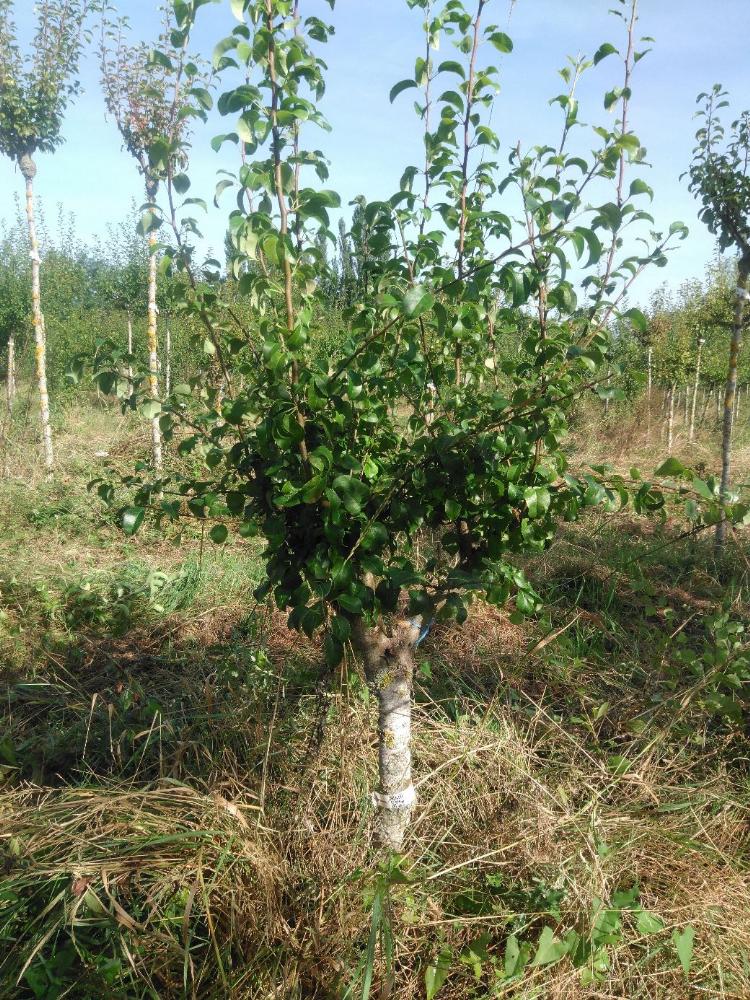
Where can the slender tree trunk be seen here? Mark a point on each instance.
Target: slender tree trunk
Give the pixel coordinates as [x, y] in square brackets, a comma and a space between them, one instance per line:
[153, 352]
[10, 382]
[686, 401]
[704, 411]
[168, 365]
[389, 665]
[670, 418]
[743, 278]
[28, 169]
[648, 395]
[696, 385]
[130, 351]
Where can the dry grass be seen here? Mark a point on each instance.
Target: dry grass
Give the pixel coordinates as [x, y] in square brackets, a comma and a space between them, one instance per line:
[184, 808]
[522, 824]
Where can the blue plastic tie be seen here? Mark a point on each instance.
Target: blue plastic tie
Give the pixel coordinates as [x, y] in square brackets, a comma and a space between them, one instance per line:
[424, 630]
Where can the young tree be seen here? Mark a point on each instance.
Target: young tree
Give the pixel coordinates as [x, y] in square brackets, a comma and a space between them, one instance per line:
[150, 93]
[15, 305]
[395, 483]
[123, 281]
[34, 93]
[720, 179]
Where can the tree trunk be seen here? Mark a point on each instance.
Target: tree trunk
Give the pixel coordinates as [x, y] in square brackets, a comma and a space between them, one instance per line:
[153, 352]
[696, 385]
[704, 411]
[28, 169]
[741, 300]
[130, 351]
[168, 365]
[606, 401]
[10, 381]
[670, 419]
[389, 666]
[648, 396]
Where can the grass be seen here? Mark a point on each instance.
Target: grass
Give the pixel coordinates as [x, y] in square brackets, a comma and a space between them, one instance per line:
[184, 792]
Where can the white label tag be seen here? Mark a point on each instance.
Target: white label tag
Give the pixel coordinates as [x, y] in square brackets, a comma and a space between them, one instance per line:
[399, 800]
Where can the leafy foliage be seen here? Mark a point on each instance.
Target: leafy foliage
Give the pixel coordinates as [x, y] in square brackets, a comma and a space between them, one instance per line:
[148, 91]
[719, 175]
[425, 456]
[35, 90]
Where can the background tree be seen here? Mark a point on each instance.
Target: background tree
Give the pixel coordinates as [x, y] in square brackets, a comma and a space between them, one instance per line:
[149, 93]
[34, 92]
[720, 179]
[15, 305]
[123, 283]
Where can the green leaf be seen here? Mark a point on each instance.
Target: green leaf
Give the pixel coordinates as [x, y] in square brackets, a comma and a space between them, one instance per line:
[611, 98]
[333, 650]
[451, 66]
[341, 628]
[550, 949]
[641, 187]
[452, 509]
[158, 58]
[150, 409]
[417, 301]
[683, 943]
[513, 960]
[607, 49]
[649, 923]
[437, 972]
[703, 489]
[672, 467]
[639, 321]
[593, 242]
[149, 221]
[131, 519]
[352, 491]
[538, 499]
[618, 764]
[501, 41]
[181, 183]
[350, 603]
[400, 87]
[238, 9]
[218, 534]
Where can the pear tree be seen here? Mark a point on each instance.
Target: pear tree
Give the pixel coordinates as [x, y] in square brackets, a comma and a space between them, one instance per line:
[720, 180]
[397, 481]
[152, 93]
[35, 91]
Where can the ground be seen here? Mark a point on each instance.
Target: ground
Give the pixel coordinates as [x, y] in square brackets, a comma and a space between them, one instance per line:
[184, 792]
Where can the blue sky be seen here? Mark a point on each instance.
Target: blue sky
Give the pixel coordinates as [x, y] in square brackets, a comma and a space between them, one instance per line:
[698, 43]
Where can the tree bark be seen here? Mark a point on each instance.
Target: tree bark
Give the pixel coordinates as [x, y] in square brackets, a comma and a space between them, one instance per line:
[670, 418]
[168, 364]
[389, 666]
[743, 279]
[130, 351]
[10, 381]
[153, 353]
[691, 434]
[704, 411]
[648, 397]
[28, 169]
